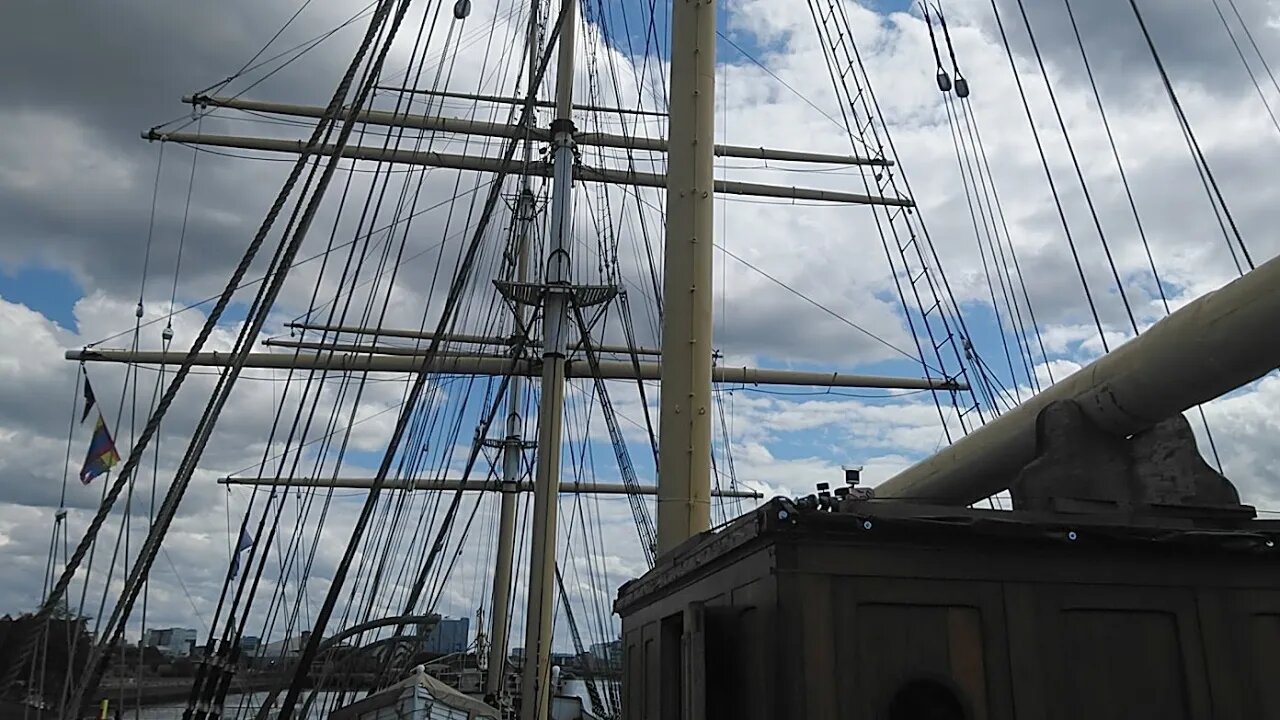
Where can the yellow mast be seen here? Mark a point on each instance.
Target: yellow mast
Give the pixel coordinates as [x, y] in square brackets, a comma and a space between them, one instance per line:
[684, 462]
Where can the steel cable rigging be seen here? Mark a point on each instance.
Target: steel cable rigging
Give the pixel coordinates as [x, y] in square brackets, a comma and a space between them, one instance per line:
[451, 302]
[1216, 197]
[283, 256]
[1053, 188]
[968, 141]
[1133, 205]
[134, 457]
[389, 541]
[231, 640]
[1257, 86]
[865, 123]
[1075, 162]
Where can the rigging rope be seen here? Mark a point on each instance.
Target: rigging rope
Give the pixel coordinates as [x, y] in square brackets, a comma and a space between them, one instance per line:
[153, 424]
[1133, 205]
[1194, 145]
[997, 210]
[246, 67]
[476, 449]
[964, 161]
[451, 302]
[968, 145]
[375, 578]
[297, 535]
[1257, 50]
[639, 509]
[284, 253]
[346, 381]
[1053, 188]
[302, 49]
[92, 554]
[865, 122]
[1248, 69]
[59, 522]
[1075, 162]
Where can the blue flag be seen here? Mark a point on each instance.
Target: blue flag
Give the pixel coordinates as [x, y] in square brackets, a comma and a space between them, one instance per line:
[246, 542]
[89, 400]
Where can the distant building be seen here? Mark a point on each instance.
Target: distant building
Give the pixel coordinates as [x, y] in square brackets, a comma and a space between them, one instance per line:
[607, 654]
[286, 649]
[173, 642]
[450, 636]
[249, 645]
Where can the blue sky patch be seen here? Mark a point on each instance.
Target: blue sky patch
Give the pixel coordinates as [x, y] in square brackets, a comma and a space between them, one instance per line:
[52, 293]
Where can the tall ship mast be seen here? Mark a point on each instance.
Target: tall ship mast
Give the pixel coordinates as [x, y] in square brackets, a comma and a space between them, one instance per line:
[535, 285]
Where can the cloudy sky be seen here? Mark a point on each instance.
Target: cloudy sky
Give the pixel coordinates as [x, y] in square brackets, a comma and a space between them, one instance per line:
[81, 243]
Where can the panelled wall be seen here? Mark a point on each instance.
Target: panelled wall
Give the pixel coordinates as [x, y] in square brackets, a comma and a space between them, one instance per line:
[828, 630]
[733, 669]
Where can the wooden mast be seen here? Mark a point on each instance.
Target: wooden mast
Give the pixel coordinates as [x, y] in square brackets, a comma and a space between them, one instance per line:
[557, 293]
[684, 445]
[513, 442]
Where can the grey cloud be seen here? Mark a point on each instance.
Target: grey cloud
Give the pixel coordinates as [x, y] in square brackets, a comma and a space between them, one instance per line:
[92, 80]
[1190, 38]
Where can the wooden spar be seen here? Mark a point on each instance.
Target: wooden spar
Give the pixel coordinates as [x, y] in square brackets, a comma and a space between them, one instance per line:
[408, 119]
[481, 365]
[379, 349]
[500, 100]
[453, 337]
[1209, 347]
[571, 488]
[375, 349]
[484, 164]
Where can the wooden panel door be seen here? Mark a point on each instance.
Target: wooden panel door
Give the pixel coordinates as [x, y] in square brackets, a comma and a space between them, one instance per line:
[1122, 653]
